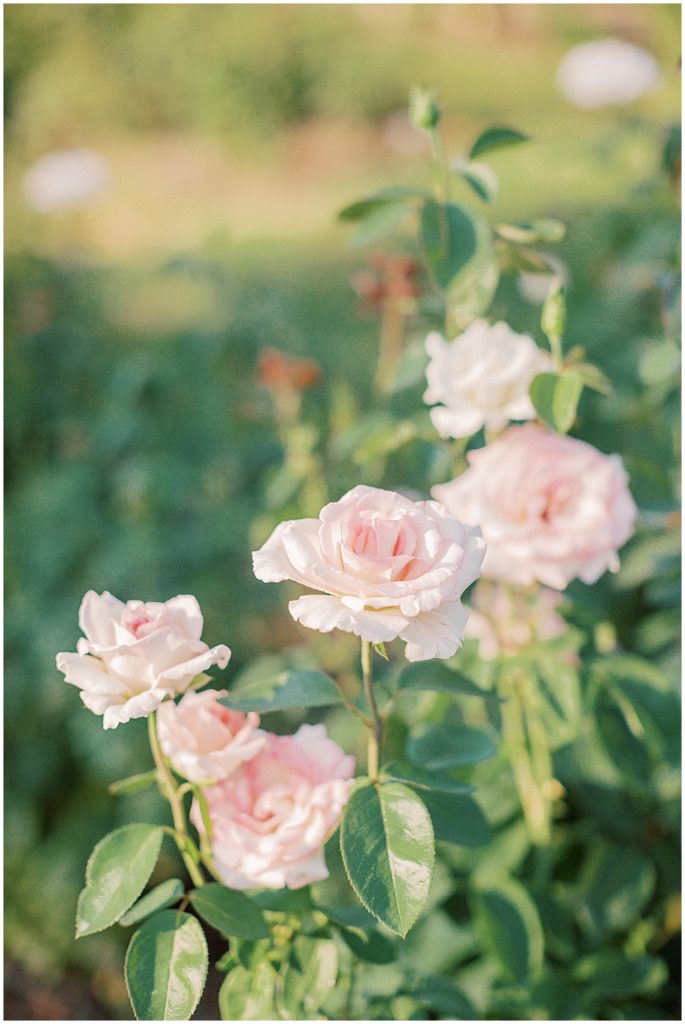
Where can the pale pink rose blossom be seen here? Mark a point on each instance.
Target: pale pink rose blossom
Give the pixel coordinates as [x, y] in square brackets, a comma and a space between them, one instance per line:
[506, 620]
[134, 655]
[271, 818]
[481, 379]
[551, 508]
[388, 567]
[205, 741]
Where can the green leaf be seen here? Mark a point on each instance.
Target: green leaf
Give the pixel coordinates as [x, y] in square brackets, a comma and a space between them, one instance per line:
[555, 398]
[496, 137]
[472, 290]
[622, 734]
[509, 927]
[249, 995]
[386, 838]
[286, 901]
[545, 231]
[116, 874]
[435, 675]
[442, 995]
[371, 204]
[480, 178]
[616, 883]
[166, 967]
[163, 895]
[301, 688]
[449, 239]
[309, 976]
[230, 912]
[417, 778]
[457, 819]
[438, 747]
[370, 946]
[379, 223]
[612, 975]
[133, 784]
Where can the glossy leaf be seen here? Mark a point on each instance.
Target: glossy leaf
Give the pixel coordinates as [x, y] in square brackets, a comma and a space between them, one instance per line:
[166, 967]
[133, 784]
[249, 994]
[116, 874]
[309, 976]
[370, 946]
[301, 688]
[449, 239]
[163, 895]
[386, 839]
[435, 675]
[555, 398]
[438, 747]
[509, 927]
[417, 778]
[457, 819]
[230, 912]
[494, 138]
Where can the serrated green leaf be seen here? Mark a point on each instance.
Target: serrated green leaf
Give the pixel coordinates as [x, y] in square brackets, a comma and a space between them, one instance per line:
[249, 995]
[116, 874]
[436, 675]
[166, 967]
[163, 895]
[496, 137]
[555, 398]
[133, 784]
[449, 239]
[417, 778]
[438, 747]
[301, 688]
[509, 928]
[386, 838]
[230, 912]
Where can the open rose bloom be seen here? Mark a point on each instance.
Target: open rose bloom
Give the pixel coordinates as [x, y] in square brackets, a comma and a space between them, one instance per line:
[271, 818]
[135, 655]
[388, 567]
[551, 508]
[481, 378]
[205, 741]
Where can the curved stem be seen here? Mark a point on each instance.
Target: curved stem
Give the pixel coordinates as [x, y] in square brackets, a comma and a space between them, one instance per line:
[376, 732]
[167, 788]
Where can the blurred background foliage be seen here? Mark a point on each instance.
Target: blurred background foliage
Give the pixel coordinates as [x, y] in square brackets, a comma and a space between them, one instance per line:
[143, 455]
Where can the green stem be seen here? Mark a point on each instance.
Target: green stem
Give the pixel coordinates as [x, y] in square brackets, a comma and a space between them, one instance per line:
[529, 785]
[376, 732]
[167, 788]
[443, 186]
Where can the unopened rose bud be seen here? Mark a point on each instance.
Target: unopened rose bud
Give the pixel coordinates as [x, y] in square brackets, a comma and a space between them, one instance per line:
[424, 112]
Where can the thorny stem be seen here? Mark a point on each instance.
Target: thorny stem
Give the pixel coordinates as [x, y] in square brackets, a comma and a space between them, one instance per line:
[376, 733]
[167, 788]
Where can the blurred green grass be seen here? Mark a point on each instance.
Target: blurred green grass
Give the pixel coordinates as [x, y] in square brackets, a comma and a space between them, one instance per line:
[139, 444]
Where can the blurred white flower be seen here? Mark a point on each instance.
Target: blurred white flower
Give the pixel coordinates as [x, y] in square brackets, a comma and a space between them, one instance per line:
[65, 180]
[606, 72]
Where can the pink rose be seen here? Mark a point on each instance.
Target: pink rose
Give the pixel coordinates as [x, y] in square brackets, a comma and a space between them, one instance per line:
[551, 508]
[136, 654]
[506, 620]
[387, 567]
[271, 819]
[204, 740]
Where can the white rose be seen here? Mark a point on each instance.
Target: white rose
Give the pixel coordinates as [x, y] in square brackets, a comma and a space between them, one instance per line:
[136, 654]
[606, 72]
[65, 180]
[388, 567]
[481, 378]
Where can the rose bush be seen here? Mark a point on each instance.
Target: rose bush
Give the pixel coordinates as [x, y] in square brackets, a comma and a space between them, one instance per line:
[205, 741]
[551, 508]
[481, 378]
[270, 820]
[134, 655]
[388, 567]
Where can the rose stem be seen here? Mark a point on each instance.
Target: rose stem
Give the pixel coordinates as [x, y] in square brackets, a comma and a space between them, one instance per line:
[376, 734]
[168, 789]
[532, 800]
